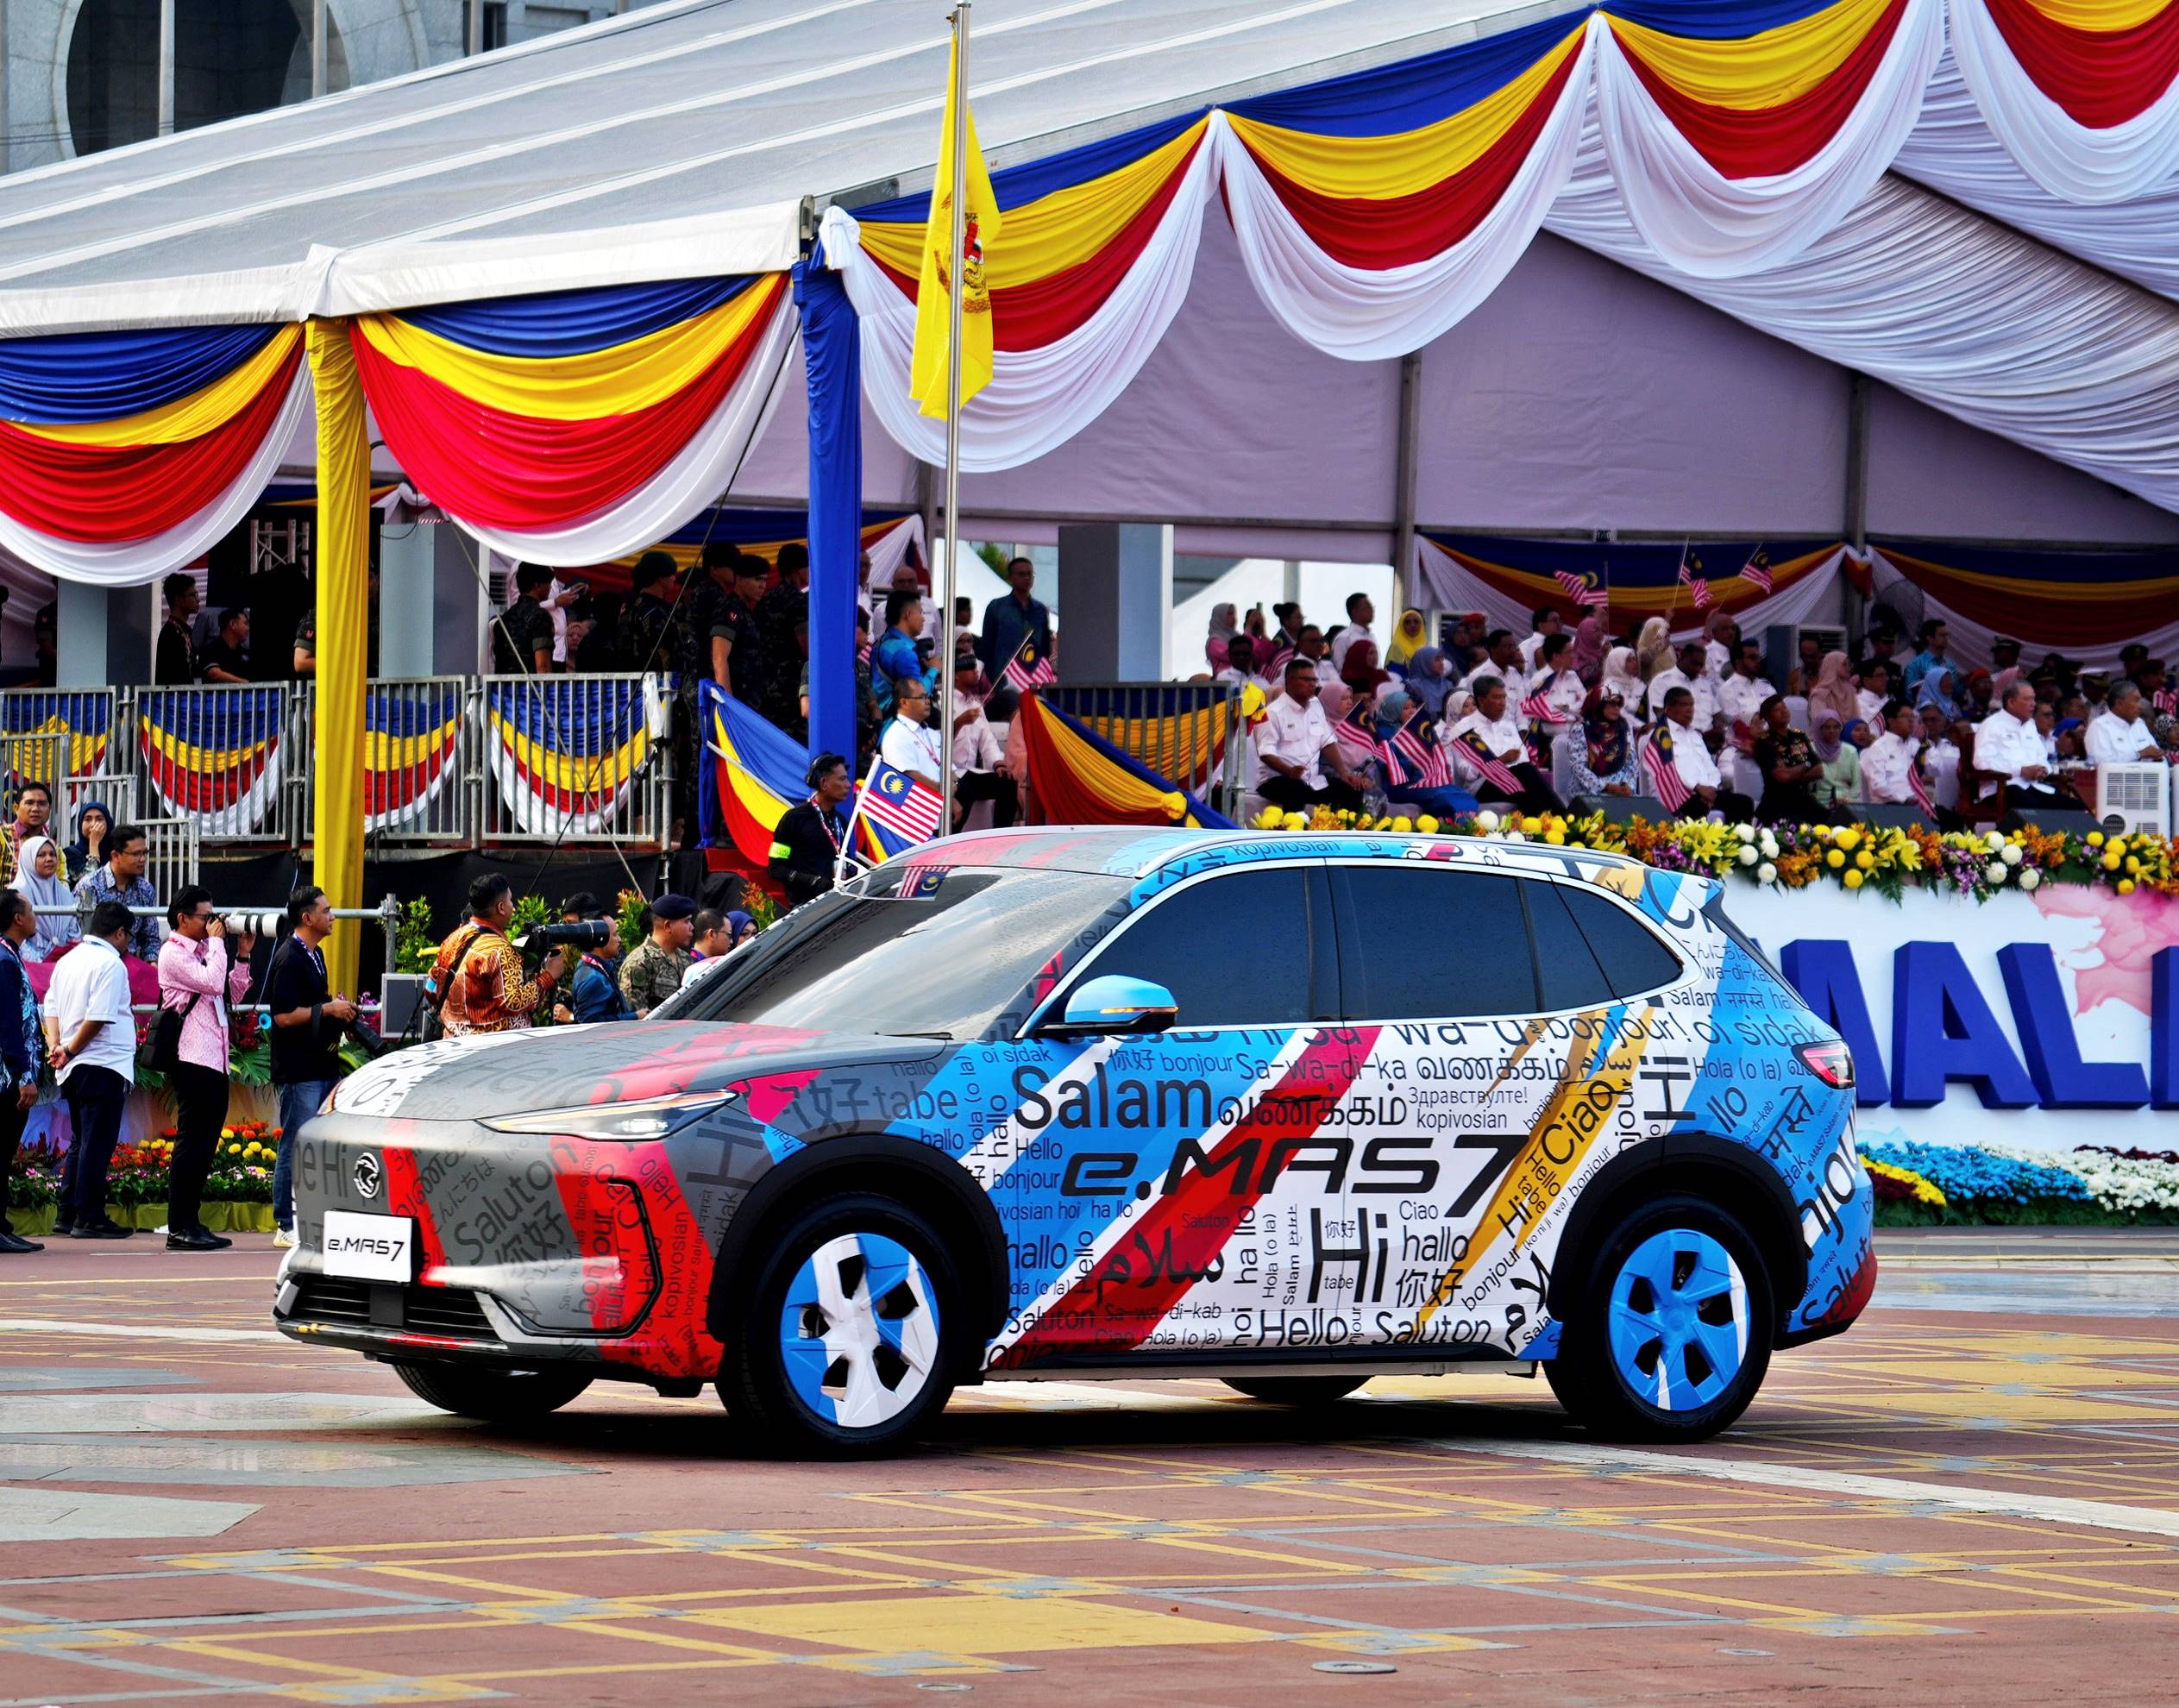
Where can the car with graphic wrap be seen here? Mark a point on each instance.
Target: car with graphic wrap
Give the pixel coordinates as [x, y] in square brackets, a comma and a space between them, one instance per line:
[1285, 1111]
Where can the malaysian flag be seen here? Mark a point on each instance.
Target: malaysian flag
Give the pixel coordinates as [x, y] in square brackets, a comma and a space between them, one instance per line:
[1025, 670]
[1756, 571]
[1538, 707]
[1491, 769]
[1275, 672]
[1359, 729]
[1582, 589]
[1692, 578]
[1414, 756]
[905, 807]
[1664, 781]
[1921, 789]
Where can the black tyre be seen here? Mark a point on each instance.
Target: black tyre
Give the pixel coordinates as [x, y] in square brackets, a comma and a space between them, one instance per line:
[1301, 1391]
[841, 1352]
[495, 1396]
[1670, 1335]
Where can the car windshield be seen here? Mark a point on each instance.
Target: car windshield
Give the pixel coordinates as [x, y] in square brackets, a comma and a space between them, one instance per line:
[913, 951]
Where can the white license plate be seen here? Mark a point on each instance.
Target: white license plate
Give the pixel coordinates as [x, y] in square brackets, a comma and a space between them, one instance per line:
[370, 1247]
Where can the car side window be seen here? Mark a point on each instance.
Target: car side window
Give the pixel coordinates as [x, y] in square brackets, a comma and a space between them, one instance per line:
[1420, 941]
[1572, 977]
[1633, 957]
[1234, 949]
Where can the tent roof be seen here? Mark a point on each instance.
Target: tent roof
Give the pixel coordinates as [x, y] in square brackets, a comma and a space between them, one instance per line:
[676, 140]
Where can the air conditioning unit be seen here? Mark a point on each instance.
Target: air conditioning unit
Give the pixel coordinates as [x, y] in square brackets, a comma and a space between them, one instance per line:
[2135, 797]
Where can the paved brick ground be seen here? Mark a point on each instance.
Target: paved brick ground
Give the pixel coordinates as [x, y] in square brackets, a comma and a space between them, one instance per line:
[1973, 1497]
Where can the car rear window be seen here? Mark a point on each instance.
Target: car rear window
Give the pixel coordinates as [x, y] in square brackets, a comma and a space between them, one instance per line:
[1187, 941]
[1628, 956]
[1427, 942]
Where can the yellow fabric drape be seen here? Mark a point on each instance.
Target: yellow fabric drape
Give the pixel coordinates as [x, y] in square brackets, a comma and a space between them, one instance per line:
[928, 369]
[343, 614]
[1765, 70]
[203, 411]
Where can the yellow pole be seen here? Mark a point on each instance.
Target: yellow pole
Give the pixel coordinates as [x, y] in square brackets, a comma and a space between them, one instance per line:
[343, 614]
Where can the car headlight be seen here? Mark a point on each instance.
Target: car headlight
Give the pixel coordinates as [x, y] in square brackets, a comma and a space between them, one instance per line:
[652, 1118]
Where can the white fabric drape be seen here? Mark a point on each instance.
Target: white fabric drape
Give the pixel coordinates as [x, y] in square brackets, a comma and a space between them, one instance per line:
[2073, 161]
[699, 474]
[1715, 226]
[1447, 584]
[1988, 326]
[1970, 640]
[1364, 315]
[131, 563]
[1038, 399]
[1954, 151]
[889, 550]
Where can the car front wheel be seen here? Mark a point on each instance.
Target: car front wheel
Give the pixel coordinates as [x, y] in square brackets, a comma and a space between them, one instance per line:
[1670, 1338]
[495, 1396]
[842, 1352]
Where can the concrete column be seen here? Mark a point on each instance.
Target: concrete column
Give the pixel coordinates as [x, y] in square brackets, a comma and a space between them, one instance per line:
[165, 67]
[1119, 581]
[102, 635]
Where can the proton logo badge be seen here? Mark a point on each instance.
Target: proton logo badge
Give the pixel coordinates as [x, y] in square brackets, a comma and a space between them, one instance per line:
[367, 1175]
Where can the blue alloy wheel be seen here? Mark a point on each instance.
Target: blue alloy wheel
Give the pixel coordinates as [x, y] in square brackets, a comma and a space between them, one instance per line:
[859, 1331]
[1678, 1320]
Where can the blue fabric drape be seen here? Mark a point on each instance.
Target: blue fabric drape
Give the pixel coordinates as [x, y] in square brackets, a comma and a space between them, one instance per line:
[1017, 184]
[571, 323]
[75, 377]
[833, 360]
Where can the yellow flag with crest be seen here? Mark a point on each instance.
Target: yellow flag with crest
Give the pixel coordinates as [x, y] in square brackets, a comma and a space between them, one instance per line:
[933, 321]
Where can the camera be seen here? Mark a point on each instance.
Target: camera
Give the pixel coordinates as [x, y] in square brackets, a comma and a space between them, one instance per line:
[583, 934]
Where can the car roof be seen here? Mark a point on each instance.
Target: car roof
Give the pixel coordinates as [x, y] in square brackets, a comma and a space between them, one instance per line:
[1135, 851]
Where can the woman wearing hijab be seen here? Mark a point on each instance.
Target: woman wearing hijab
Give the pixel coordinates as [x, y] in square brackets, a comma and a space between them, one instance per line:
[1429, 679]
[1840, 781]
[1588, 648]
[1359, 672]
[740, 927]
[1409, 635]
[1604, 760]
[94, 824]
[1395, 706]
[39, 881]
[1834, 691]
[1623, 676]
[1222, 631]
[1653, 648]
[1937, 690]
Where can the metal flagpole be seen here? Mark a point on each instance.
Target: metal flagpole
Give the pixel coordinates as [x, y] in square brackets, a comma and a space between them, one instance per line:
[958, 120]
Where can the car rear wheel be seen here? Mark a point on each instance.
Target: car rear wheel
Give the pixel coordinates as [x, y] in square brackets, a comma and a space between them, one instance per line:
[1296, 1390]
[841, 1352]
[495, 1396]
[1669, 1339]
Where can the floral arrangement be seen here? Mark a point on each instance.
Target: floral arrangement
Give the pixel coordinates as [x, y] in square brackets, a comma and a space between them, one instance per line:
[1920, 1184]
[141, 1173]
[1890, 860]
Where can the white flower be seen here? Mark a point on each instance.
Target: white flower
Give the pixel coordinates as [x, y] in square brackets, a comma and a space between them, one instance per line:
[1993, 841]
[1745, 833]
[2011, 854]
[2030, 878]
[1994, 874]
[1515, 836]
[1765, 873]
[1769, 845]
[1748, 855]
[1486, 821]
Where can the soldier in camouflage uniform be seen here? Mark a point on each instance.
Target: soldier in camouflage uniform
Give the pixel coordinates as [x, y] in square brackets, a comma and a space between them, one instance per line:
[650, 628]
[656, 967]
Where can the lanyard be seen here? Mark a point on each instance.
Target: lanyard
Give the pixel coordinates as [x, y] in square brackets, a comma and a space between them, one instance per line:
[825, 819]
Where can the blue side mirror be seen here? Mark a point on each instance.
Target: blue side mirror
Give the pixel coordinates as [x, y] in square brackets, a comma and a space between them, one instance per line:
[1116, 1003]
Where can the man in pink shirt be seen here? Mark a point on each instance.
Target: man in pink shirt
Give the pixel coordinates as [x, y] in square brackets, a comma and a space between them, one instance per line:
[195, 976]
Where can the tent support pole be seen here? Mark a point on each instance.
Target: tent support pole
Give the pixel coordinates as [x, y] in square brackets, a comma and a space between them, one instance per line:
[1405, 464]
[1857, 516]
[320, 52]
[943, 712]
[165, 67]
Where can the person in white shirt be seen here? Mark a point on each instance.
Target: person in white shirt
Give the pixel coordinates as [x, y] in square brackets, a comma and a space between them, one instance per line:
[1502, 663]
[979, 762]
[1740, 696]
[1691, 758]
[1295, 745]
[1687, 674]
[909, 743]
[1890, 760]
[1874, 691]
[2121, 735]
[1240, 666]
[2008, 746]
[1491, 727]
[91, 1039]
[1360, 614]
[1311, 647]
[1562, 688]
[1544, 622]
[1722, 649]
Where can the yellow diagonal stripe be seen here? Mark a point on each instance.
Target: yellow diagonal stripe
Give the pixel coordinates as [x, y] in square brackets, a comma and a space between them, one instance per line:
[1378, 168]
[191, 418]
[618, 380]
[2101, 16]
[1760, 71]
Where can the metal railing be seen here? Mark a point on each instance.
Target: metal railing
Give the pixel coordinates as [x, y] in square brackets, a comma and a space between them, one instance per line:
[450, 761]
[1189, 732]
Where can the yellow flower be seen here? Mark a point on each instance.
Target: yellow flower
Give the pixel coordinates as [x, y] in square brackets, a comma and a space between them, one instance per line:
[2111, 859]
[2134, 866]
[1834, 859]
[1853, 878]
[1865, 860]
[1849, 839]
[1270, 818]
[1364, 822]
[1427, 825]
[2096, 838]
[2125, 886]
[1555, 838]
[1294, 821]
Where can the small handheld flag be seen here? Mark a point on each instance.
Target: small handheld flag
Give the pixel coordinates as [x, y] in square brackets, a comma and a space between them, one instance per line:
[1582, 589]
[901, 810]
[1025, 670]
[1756, 571]
[1664, 781]
[1692, 578]
[1414, 756]
[933, 292]
[1921, 788]
[1491, 769]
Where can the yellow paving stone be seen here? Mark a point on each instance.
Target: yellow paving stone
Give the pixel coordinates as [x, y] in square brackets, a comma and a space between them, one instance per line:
[977, 1625]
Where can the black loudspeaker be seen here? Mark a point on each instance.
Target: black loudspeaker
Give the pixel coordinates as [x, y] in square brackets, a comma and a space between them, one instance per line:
[1619, 808]
[1893, 815]
[2050, 820]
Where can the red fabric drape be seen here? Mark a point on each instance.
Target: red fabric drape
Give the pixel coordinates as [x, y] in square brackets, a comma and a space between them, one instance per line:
[2101, 77]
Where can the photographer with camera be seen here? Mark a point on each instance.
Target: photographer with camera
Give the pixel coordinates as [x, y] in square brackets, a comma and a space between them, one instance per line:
[479, 983]
[308, 1019]
[593, 995]
[197, 979]
[656, 967]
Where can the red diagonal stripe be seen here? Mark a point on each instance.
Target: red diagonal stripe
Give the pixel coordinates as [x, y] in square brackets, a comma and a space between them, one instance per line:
[1184, 1228]
[2101, 77]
